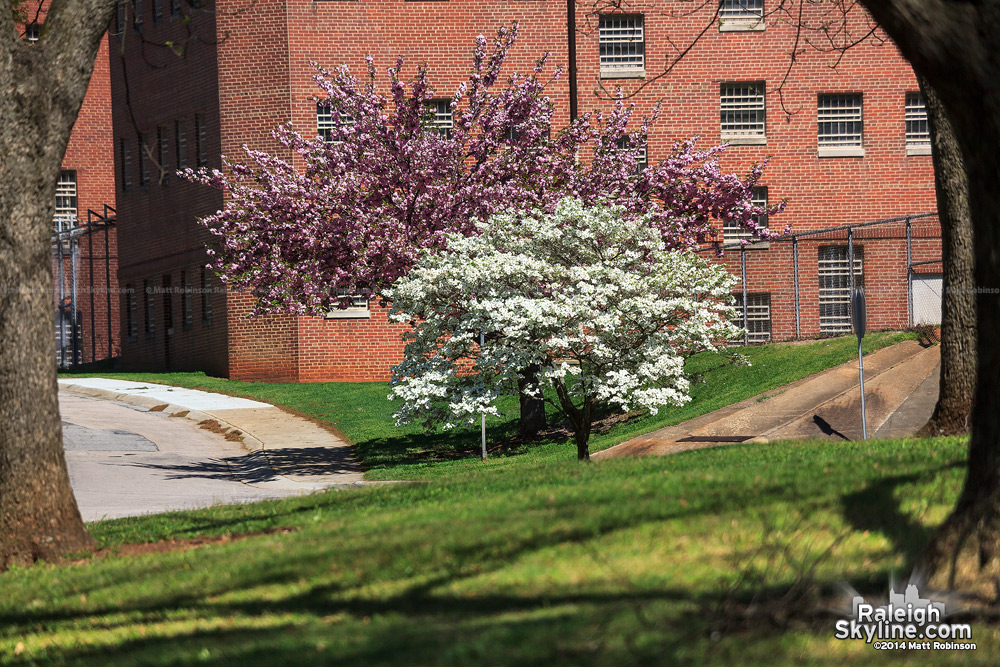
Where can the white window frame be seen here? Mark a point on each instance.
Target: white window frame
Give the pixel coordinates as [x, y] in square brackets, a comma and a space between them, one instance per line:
[747, 98]
[840, 112]
[835, 286]
[741, 16]
[622, 43]
[733, 233]
[325, 124]
[358, 310]
[444, 119]
[66, 191]
[641, 152]
[758, 318]
[916, 128]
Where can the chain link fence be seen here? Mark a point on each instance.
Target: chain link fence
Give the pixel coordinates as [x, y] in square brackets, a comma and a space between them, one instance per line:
[799, 285]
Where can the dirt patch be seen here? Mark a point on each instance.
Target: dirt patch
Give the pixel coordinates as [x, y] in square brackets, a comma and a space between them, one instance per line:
[232, 435]
[159, 408]
[168, 546]
[182, 413]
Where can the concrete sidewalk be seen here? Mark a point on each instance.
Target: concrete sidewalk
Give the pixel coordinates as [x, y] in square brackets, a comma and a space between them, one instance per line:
[901, 385]
[281, 451]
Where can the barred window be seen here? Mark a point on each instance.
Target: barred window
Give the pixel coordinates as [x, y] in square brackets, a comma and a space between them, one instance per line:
[66, 206]
[741, 15]
[835, 287]
[918, 136]
[639, 152]
[175, 8]
[180, 144]
[325, 123]
[357, 308]
[131, 316]
[143, 161]
[839, 125]
[732, 232]
[201, 140]
[157, 12]
[125, 160]
[622, 42]
[206, 298]
[186, 313]
[164, 154]
[32, 33]
[758, 311]
[743, 111]
[120, 17]
[137, 15]
[443, 122]
[147, 303]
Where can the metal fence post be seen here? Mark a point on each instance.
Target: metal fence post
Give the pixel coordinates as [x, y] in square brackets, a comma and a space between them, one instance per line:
[850, 258]
[909, 274]
[743, 267]
[795, 266]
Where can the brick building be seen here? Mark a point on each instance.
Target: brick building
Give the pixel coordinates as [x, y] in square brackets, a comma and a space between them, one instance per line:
[847, 145]
[84, 261]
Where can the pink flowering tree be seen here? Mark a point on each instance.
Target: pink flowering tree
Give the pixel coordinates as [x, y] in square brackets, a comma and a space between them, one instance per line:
[353, 211]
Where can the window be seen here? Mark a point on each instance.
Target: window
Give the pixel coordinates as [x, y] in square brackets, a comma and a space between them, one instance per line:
[325, 122]
[839, 125]
[143, 162]
[125, 157]
[835, 287]
[164, 154]
[200, 140]
[442, 122]
[137, 20]
[356, 309]
[639, 152]
[147, 306]
[66, 207]
[157, 12]
[741, 15]
[32, 32]
[732, 232]
[180, 144]
[206, 298]
[188, 318]
[622, 46]
[168, 305]
[120, 18]
[742, 112]
[758, 311]
[131, 316]
[175, 8]
[918, 136]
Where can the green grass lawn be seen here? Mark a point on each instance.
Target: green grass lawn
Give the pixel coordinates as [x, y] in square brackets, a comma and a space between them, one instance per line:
[530, 559]
[361, 412]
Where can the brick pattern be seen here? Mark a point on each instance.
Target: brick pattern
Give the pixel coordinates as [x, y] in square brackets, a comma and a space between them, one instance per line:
[251, 72]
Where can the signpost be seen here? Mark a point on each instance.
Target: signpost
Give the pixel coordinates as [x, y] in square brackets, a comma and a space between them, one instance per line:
[858, 317]
[482, 342]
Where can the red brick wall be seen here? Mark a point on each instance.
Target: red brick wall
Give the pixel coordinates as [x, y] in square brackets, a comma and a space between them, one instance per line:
[158, 233]
[259, 76]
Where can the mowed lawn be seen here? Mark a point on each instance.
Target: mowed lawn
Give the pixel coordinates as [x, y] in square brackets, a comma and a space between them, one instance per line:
[529, 559]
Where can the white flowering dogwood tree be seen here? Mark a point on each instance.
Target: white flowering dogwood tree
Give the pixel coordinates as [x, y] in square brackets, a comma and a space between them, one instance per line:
[593, 298]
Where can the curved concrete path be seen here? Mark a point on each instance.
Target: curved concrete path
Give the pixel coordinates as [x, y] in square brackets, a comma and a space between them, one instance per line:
[136, 448]
[901, 386]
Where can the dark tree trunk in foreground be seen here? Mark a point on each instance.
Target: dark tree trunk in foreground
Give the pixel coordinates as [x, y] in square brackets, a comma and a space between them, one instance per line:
[532, 419]
[958, 307]
[580, 418]
[955, 45]
[44, 85]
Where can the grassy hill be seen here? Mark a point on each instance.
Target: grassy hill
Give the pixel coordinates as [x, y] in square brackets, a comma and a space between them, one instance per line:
[529, 559]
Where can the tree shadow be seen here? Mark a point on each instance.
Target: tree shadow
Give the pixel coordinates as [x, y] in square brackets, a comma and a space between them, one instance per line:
[907, 535]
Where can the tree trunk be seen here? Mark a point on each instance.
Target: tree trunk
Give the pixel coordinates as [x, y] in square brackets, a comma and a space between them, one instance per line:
[532, 418]
[958, 306]
[44, 86]
[954, 46]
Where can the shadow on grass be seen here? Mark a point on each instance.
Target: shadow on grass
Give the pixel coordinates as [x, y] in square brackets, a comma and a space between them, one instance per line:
[907, 535]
